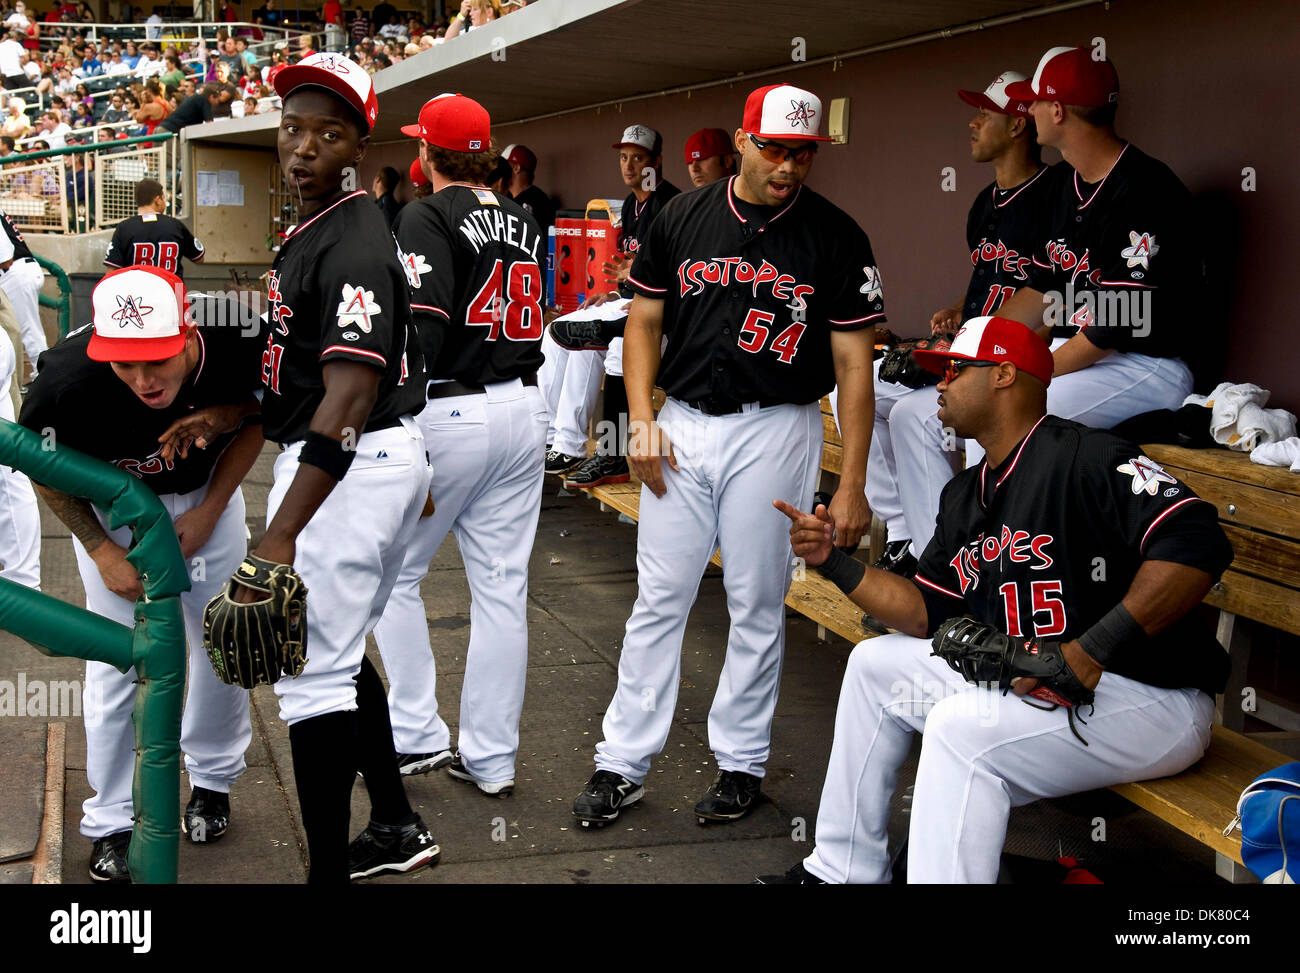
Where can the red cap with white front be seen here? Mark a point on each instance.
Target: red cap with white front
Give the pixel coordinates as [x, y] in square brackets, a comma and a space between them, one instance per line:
[139, 315]
[994, 98]
[418, 178]
[338, 74]
[453, 122]
[521, 155]
[782, 111]
[1072, 76]
[994, 339]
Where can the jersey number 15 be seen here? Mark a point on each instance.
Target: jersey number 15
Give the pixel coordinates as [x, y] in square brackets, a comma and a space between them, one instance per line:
[519, 314]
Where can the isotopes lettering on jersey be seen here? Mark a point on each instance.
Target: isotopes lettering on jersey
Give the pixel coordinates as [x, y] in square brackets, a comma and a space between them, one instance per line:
[996, 252]
[1060, 254]
[280, 314]
[166, 255]
[1019, 546]
[140, 468]
[482, 226]
[694, 275]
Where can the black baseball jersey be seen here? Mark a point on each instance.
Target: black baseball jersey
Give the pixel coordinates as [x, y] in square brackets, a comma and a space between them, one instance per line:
[91, 409]
[21, 249]
[1049, 541]
[636, 220]
[749, 309]
[1123, 256]
[471, 260]
[337, 293]
[153, 239]
[539, 206]
[1003, 230]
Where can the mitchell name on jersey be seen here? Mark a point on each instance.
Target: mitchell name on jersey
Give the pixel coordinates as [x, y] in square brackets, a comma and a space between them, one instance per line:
[481, 226]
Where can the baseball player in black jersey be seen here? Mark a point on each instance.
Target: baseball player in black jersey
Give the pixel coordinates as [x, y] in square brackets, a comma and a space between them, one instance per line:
[151, 237]
[343, 378]
[1017, 545]
[768, 295]
[471, 257]
[640, 162]
[21, 279]
[910, 460]
[114, 390]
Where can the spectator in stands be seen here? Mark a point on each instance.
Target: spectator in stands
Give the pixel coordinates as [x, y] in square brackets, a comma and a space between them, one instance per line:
[11, 65]
[231, 58]
[131, 57]
[82, 94]
[275, 67]
[414, 28]
[66, 84]
[53, 129]
[154, 108]
[19, 17]
[429, 40]
[186, 89]
[91, 65]
[116, 110]
[194, 110]
[116, 66]
[172, 75]
[149, 65]
[381, 13]
[473, 13]
[411, 49]
[379, 62]
[250, 106]
[304, 46]
[393, 29]
[251, 82]
[359, 26]
[153, 27]
[6, 145]
[31, 68]
[85, 118]
[249, 56]
[16, 122]
[510, 6]
[268, 16]
[384, 188]
[335, 26]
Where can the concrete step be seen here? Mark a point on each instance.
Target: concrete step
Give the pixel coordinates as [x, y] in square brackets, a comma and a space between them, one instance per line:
[32, 755]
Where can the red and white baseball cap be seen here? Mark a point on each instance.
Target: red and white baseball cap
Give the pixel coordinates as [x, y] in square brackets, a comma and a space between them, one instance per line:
[994, 339]
[1072, 76]
[994, 98]
[520, 155]
[706, 143]
[642, 137]
[336, 73]
[418, 178]
[139, 315]
[453, 122]
[782, 111]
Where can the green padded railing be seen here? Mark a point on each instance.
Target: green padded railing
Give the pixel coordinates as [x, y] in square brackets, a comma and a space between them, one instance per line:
[155, 646]
[63, 303]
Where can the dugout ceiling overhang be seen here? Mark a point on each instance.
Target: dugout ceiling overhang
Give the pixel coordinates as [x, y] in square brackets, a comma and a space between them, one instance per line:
[559, 55]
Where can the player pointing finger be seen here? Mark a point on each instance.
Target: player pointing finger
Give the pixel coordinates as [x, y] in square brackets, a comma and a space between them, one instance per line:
[810, 534]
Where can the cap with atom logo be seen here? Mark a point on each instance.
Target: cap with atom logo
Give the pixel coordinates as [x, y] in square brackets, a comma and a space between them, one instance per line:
[139, 315]
[782, 111]
[336, 73]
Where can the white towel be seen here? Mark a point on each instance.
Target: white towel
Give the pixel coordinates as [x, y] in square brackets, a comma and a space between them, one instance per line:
[1238, 418]
[1284, 453]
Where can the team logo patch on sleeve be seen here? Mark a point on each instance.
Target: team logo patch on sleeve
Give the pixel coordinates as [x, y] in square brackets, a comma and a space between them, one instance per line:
[872, 287]
[1142, 250]
[357, 307]
[1147, 475]
[414, 264]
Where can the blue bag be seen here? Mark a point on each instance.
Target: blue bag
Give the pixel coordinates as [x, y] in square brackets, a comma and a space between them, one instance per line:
[1268, 813]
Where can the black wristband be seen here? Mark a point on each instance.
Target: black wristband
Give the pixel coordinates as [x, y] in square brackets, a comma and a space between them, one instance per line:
[842, 571]
[327, 454]
[1112, 634]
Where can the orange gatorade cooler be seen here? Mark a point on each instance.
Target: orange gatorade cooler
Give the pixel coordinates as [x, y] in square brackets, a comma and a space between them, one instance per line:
[601, 244]
[570, 239]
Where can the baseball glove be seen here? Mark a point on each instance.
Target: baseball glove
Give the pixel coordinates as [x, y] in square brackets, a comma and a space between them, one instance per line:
[899, 366]
[985, 656]
[255, 643]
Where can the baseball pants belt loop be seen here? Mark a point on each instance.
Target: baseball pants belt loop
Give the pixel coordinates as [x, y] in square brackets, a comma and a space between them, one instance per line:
[447, 390]
[716, 406]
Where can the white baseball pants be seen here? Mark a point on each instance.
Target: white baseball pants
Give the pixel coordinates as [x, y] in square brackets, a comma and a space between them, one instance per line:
[215, 729]
[487, 489]
[731, 469]
[982, 754]
[22, 284]
[348, 556]
[20, 516]
[569, 382]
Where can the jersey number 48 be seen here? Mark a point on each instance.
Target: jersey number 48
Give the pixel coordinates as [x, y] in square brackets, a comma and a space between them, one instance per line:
[519, 314]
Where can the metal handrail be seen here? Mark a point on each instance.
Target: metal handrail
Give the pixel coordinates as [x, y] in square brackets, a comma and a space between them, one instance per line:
[157, 136]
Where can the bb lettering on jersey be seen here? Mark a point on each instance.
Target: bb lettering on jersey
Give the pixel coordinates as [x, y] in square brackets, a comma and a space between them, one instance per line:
[164, 255]
[1019, 546]
[694, 275]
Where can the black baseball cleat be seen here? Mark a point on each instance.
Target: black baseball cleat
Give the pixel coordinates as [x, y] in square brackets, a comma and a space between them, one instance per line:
[897, 559]
[605, 795]
[108, 858]
[411, 764]
[587, 335]
[732, 795]
[392, 848]
[797, 875]
[207, 815]
[599, 470]
[557, 463]
[500, 788]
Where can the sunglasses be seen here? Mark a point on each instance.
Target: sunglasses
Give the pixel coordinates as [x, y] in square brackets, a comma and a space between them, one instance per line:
[777, 154]
[956, 365]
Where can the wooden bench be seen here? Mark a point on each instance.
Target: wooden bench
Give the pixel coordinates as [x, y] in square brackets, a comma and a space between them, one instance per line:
[1259, 508]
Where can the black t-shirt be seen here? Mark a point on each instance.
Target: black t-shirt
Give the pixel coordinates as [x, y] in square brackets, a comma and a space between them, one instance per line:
[471, 260]
[538, 205]
[154, 239]
[388, 205]
[193, 110]
[337, 292]
[749, 311]
[21, 249]
[1050, 540]
[91, 409]
[1003, 230]
[1123, 255]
